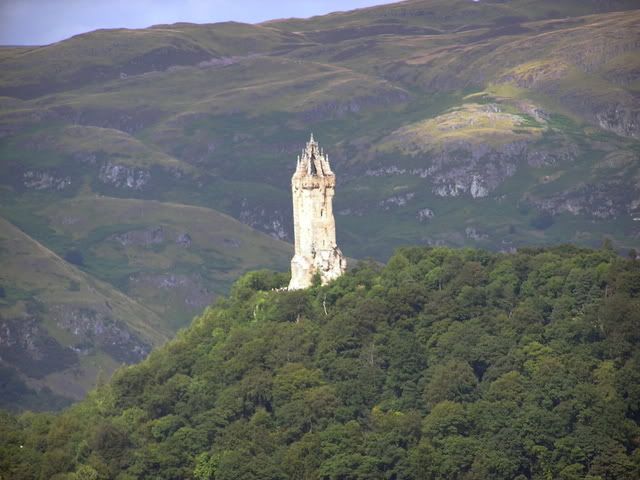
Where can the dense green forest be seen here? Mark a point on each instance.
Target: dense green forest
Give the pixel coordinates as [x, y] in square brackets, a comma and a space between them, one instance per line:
[443, 364]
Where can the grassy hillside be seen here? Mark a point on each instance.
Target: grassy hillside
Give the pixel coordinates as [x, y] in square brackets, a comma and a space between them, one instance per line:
[452, 15]
[445, 364]
[224, 134]
[173, 258]
[115, 53]
[61, 327]
[166, 262]
[490, 124]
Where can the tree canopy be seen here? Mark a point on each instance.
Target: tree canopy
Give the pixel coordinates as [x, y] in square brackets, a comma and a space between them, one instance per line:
[443, 364]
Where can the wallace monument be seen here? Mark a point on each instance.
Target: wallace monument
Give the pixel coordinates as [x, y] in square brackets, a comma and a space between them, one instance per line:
[316, 252]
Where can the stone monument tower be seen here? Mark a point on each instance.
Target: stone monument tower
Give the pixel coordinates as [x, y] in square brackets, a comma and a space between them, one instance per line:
[313, 186]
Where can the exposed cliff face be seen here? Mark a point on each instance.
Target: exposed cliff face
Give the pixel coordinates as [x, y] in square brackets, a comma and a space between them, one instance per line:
[146, 237]
[272, 222]
[58, 324]
[462, 168]
[473, 149]
[425, 214]
[623, 119]
[121, 176]
[97, 328]
[600, 201]
[396, 201]
[41, 180]
[473, 169]
[26, 344]
[29, 344]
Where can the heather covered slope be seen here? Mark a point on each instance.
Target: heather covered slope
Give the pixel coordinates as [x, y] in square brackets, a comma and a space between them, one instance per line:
[444, 364]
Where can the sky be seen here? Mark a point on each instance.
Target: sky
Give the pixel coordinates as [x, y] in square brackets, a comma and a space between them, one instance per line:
[39, 22]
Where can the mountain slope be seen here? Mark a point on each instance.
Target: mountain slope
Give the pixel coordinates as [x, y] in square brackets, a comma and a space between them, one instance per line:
[451, 15]
[223, 133]
[61, 326]
[114, 53]
[443, 364]
[175, 259]
[169, 260]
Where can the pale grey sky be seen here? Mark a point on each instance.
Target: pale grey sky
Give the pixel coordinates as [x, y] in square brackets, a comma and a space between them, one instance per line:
[38, 22]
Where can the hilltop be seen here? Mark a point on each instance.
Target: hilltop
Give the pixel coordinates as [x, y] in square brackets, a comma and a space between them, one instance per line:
[444, 364]
[138, 154]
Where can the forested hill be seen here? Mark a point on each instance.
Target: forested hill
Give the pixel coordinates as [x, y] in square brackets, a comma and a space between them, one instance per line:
[147, 160]
[444, 364]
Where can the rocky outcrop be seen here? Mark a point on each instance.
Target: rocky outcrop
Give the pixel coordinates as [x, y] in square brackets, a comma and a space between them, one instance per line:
[96, 328]
[387, 171]
[39, 180]
[26, 344]
[270, 222]
[425, 214]
[121, 176]
[464, 168]
[621, 120]
[472, 149]
[476, 169]
[396, 201]
[184, 240]
[601, 201]
[473, 234]
[456, 183]
[146, 237]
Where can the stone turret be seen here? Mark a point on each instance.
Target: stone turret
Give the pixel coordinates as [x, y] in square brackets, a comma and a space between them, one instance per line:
[316, 252]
